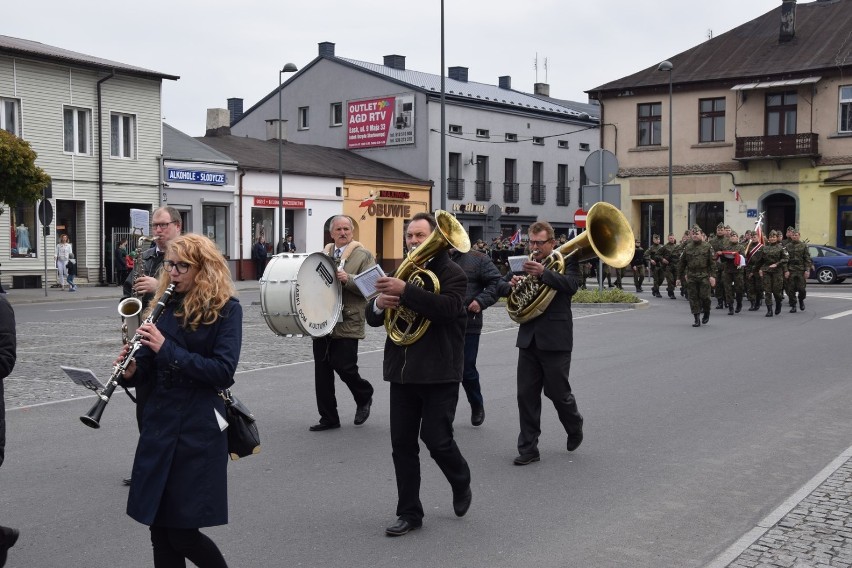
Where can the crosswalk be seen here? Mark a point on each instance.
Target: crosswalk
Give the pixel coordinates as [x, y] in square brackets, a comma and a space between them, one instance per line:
[833, 296]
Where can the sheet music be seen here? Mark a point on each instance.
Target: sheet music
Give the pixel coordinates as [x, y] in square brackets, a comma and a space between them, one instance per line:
[516, 263]
[84, 378]
[366, 281]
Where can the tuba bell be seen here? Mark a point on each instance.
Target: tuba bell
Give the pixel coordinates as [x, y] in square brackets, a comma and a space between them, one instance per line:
[608, 236]
[404, 326]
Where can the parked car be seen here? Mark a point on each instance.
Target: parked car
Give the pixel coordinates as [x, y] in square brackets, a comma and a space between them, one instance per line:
[831, 264]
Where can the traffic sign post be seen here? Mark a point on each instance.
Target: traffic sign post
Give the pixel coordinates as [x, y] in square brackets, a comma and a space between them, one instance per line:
[580, 218]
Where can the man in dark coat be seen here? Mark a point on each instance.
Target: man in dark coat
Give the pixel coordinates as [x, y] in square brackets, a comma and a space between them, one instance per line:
[544, 350]
[424, 378]
[483, 279]
[258, 254]
[8, 356]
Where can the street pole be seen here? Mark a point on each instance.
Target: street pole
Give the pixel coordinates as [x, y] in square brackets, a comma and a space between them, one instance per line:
[443, 120]
[667, 66]
[288, 68]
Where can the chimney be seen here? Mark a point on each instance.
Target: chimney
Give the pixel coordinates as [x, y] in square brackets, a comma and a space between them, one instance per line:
[395, 62]
[235, 107]
[505, 82]
[788, 21]
[218, 122]
[542, 89]
[326, 49]
[272, 129]
[457, 73]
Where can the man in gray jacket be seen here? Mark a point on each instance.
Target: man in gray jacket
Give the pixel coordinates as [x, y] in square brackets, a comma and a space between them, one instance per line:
[338, 351]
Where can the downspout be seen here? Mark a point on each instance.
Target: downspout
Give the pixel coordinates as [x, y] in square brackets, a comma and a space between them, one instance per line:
[102, 281]
[240, 233]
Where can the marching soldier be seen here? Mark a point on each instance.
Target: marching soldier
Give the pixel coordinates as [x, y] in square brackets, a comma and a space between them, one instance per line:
[773, 262]
[719, 242]
[667, 253]
[654, 260]
[697, 268]
[684, 240]
[753, 281]
[732, 274]
[799, 266]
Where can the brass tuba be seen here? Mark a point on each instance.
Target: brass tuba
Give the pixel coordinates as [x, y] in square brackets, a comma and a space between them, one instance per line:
[404, 326]
[608, 236]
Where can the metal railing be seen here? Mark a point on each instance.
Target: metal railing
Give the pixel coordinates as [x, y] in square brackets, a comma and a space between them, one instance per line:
[783, 146]
[510, 192]
[483, 190]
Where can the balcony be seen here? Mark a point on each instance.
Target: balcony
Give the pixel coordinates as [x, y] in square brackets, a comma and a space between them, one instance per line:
[563, 195]
[510, 192]
[803, 145]
[483, 190]
[538, 194]
[455, 188]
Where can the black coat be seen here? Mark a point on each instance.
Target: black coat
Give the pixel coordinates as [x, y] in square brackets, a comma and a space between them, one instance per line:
[483, 279]
[438, 356]
[8, 346]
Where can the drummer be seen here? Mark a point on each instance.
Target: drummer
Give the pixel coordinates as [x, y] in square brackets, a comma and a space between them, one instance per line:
[338, 351]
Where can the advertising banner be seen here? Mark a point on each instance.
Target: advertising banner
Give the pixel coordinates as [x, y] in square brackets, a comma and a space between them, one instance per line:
[375, 123]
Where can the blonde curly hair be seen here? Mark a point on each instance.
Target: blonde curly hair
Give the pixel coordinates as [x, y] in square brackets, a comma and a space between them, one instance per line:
[212, 287]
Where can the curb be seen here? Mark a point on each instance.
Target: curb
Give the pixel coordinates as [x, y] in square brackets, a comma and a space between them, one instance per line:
[640, 305]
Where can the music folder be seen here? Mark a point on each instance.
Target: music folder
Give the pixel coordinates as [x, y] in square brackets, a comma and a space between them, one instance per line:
[84, 378]
[516, 263]
[366, 281]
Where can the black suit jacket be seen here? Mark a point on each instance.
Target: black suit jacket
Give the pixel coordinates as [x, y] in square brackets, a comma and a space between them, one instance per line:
[554, 329]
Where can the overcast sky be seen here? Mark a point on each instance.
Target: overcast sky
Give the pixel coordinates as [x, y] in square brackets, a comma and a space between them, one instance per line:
[223, 49]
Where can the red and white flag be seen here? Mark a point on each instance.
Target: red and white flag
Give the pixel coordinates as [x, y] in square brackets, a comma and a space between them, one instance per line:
[367, 201]
[737, 194]
[516, 238]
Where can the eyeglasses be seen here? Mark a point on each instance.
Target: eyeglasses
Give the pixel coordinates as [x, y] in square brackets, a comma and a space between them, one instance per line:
[162, 225]
[539, 243]
[181, 267]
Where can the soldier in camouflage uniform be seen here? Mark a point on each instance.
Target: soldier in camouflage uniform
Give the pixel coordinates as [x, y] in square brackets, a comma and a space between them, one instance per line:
[655, 262]
[684, 240]
[753, 281]
[799, 266]
[669, 260]
[696, 268]
[772, 264]
[732, 272]
[719, 242]
[637, 265]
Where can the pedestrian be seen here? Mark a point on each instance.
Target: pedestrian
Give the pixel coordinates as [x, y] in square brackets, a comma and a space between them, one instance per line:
[697, 268]
[653, 257]
[63, 253]
[773, 264]
[733, 261]
[189, 355]
[337, 352]
[286, 245]
[544, 347]
[259, 254]
[637, 266]
[424, 378]
[119, 261]
[71, 269]
[483, 280]
[799, 267]
[8, 357]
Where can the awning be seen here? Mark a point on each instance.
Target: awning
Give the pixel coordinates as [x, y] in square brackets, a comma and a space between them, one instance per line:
[773, 84]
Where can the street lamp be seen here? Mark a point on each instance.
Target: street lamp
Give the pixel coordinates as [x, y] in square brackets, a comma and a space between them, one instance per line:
[288, 68]
[667, 66]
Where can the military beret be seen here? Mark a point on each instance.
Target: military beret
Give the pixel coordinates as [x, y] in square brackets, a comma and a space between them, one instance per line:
[720, 226]
[774, 233]
[789, 229]
[794, 232]
[696, 229]
[728, 227]
[734, 233]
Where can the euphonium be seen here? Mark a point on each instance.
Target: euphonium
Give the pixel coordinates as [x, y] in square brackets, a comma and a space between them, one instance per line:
[608, 236]
[130, 308]
[93, 417]
[404, 326]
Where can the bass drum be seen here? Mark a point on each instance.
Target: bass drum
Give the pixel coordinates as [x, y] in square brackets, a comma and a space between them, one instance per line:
[300, 294]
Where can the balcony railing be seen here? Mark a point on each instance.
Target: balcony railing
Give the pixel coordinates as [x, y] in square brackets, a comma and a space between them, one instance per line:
[563, 195]
[455, 188]
[510, 193]
[538, 194]
[803, 145]
[483, 190]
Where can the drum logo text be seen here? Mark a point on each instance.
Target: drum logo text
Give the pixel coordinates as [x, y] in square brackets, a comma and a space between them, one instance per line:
[325, 274]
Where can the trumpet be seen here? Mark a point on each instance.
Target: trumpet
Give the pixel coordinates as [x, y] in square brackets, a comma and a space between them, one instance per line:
[93, 417]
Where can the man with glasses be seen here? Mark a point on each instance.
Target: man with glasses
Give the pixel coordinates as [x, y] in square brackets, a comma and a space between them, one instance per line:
[165, 226]
[544, 349]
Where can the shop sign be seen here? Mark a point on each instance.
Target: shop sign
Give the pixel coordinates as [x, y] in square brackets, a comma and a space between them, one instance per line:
[469, 208]
[380, 122]
[195, 176]
[385, 194]
[389, 210]
[289, 202]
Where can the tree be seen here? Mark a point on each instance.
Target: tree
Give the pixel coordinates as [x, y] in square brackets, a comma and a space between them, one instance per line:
[20, 179]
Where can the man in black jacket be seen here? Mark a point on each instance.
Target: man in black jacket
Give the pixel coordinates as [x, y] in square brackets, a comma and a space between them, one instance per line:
[424, 379]
[8, 356]
[483, 279]
[545, 344]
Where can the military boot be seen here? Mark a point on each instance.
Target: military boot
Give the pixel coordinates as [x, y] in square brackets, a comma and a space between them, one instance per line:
[802, 304]
[706, 317]
[769, 309]
[739, 307]
[755, 305]
[697, 323]
[730, 309]
[777, 307]
[793, 308]
[721, 303]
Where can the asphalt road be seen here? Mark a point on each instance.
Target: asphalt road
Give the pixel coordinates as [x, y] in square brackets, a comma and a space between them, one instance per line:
[692, 436]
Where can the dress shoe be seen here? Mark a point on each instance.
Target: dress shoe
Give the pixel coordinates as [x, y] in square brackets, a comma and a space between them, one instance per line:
[477, 415]
[8, 538]
[401, 527]
[363, 412]
[574, 441]
[461, 503]
[126, 481]
[323, 426]
[526, 459]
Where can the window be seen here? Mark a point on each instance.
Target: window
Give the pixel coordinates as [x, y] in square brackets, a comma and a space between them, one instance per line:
[454, 129]
[510, 187]
[707, 214]
[537, 191]
[304, 115]
[336, 114]
[483, 185]
[584, 146]
[538, 141]
[24, 230]
[711, 120]
[562, 144]
[563, 192]
[845, 109]
[482, 133]
[10, 116]
[455, 184]
[77, 130]
[511, 137]
[781, 113]
[649, 124]
[122, 135]
[214, 219]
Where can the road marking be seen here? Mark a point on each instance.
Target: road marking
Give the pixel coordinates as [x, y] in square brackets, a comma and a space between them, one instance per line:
[775, 516]
[838, 315]
[78, 309]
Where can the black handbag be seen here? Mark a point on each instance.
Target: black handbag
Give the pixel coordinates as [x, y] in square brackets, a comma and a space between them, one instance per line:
[243, 437]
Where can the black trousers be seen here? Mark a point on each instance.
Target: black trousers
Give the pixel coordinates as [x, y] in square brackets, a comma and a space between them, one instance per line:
[544, 370]
[427, 411]
[340, 356]
[173, 546]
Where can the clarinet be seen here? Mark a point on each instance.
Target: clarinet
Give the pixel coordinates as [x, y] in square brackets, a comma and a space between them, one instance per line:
[93, 417]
